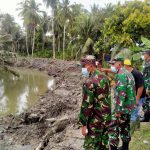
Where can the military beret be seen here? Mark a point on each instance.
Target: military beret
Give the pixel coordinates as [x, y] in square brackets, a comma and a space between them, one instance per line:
[88, 59]
[146, 52]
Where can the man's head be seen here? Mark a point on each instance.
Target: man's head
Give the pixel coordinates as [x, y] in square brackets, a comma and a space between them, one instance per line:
[116, 64]
[88, 63]
[127, 64]
[147, 55]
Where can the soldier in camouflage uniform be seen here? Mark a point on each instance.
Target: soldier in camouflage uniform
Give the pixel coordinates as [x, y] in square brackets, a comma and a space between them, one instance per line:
[95, 113]
[146, 74]
[124, 101]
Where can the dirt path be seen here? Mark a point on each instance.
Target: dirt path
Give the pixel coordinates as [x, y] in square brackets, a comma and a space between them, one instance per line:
[52, 122]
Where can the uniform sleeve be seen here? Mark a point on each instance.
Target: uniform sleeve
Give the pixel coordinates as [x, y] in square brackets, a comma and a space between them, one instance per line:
[87, 104]
[120, 92]
[146, 74]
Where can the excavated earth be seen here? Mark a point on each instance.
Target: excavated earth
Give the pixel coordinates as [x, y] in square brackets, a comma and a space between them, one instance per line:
[51, 124]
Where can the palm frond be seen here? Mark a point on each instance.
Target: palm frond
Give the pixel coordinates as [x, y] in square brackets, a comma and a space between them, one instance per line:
[5, 38]
[125, 53]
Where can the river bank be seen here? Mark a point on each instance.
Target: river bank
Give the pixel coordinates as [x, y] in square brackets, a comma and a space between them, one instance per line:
[52, 122]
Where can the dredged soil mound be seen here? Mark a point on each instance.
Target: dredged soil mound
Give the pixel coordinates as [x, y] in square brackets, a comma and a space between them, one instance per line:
[51, 124]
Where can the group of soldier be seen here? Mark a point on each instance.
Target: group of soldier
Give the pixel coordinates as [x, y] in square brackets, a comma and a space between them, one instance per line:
[108, 108]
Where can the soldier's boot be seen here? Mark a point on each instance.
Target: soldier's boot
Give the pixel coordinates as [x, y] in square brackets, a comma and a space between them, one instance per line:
[125, 146]
[146, 117]
[113, 147]
[138, 124]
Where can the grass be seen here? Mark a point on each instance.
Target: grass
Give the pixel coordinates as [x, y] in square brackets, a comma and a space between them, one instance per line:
[139, 136]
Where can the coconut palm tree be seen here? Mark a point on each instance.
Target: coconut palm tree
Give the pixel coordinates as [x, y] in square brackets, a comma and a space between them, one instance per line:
[44, 25]
[9, 27]
[24, 14]
[86, 28]
[53, 5]
[7, 23]
[31, 17]
[65, 14]
[34, 19]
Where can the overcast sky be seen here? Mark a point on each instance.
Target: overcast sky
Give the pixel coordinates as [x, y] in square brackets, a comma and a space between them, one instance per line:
[9, 6]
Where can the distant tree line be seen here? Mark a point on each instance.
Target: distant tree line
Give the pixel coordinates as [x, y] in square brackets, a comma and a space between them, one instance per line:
[69, 27]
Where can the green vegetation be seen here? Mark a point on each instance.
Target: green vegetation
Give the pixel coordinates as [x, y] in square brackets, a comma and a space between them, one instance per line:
[67, 31]
[141, 139]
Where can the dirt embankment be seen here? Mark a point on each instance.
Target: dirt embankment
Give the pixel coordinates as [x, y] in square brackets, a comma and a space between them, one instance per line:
[52, 123]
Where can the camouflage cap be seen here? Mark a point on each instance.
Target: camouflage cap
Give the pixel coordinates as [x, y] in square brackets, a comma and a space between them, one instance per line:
[88, 59]
[119, 59]
[116, 59]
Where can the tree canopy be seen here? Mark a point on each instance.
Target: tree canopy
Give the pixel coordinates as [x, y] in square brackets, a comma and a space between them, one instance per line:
[67, 30]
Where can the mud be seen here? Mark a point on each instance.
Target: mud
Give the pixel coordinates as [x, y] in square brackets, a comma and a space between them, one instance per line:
[52, 123]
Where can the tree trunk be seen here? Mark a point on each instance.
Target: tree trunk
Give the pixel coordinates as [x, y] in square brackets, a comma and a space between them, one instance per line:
[72, 50]
[14, 47]
[33, 41]
[17, 46]
[27, 42]
[64, 43]
[53, 32]
[58, 44]
[43, 40]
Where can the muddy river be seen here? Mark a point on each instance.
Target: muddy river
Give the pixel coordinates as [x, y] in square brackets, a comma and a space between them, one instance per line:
[17, 94]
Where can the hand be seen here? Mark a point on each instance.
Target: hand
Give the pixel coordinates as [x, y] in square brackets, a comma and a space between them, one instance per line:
[118, 115]
[84, 130]
[102, 69]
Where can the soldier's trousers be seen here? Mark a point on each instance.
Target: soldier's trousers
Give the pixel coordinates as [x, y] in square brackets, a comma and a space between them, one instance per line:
[119, 126]
[99, 142]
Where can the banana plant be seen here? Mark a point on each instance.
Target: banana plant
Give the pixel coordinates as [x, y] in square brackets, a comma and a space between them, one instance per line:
[146, 42]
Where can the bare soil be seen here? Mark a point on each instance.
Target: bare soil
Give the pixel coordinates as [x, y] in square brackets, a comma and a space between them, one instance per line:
[51, 124]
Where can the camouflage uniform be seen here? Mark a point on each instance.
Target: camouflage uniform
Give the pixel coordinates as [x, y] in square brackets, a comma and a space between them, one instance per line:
[96, 111]
[125, 98]
[146, 74]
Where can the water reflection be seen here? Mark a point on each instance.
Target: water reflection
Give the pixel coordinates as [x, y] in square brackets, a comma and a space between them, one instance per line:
[17, 94]
[3, 104]
[3, 98]
[51, 84]
[22, 101]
